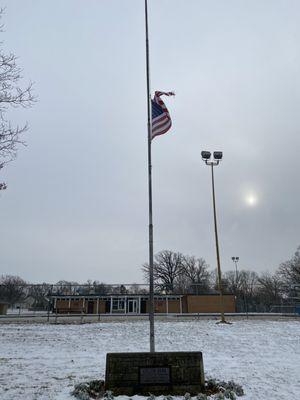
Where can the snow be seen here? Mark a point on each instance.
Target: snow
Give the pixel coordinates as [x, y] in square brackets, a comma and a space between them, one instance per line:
[40, 361]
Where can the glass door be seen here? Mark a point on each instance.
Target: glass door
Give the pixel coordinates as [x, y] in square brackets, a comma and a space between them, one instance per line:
[132, 306]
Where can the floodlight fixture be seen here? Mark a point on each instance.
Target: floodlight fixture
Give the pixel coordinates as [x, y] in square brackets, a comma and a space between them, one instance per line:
[205, 155]
[218, 155]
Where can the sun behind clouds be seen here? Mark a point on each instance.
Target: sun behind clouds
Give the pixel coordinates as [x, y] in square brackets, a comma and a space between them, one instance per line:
[251, 200]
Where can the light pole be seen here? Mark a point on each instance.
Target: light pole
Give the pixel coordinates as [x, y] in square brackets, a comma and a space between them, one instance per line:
[206, 157]
[235, 260]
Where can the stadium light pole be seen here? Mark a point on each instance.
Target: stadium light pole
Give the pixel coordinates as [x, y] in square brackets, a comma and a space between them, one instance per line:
[235, 260]
[217, 157]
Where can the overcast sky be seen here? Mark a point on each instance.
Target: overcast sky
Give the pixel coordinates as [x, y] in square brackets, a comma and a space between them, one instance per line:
[76, 204]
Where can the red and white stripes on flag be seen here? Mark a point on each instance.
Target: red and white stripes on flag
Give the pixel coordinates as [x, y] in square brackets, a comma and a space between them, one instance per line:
[161, 120]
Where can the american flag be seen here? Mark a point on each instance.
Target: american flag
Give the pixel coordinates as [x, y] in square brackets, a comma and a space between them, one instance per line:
[161, 120]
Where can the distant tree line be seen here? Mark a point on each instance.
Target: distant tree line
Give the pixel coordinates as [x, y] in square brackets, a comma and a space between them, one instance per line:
[17, 292]
[176, 273]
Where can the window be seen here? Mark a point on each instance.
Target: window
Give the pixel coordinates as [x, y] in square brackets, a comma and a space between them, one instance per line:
[118, 304]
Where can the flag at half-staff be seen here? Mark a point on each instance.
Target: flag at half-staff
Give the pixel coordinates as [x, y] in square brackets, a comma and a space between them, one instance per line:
[161, 120]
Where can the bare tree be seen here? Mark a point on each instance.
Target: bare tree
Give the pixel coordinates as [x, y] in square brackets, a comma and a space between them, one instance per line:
[244, 286]
[39, 294]
[289, 271]
[231, 280]
[118, 289]
[269, 290]
[12, 95]
[100, 288]
[12, 289]
[234, 281]
[249, 280]
[67, 287]
[246, 290]
[136, 288]
[214, 284]
[167, 267]
[197, 274]
[183, 284]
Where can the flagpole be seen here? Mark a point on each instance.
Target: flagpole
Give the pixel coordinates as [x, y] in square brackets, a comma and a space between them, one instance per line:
[149, 110]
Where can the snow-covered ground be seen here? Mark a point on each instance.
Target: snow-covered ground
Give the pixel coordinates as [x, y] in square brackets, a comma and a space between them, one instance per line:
[39, 361]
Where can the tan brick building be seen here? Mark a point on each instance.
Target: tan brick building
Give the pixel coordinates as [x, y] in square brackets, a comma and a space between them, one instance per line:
[139, 304]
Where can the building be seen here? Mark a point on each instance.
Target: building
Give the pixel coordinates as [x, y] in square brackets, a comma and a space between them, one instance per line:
[139, 304]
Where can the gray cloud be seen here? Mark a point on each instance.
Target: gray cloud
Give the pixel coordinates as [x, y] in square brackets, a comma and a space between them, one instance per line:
[76, 207]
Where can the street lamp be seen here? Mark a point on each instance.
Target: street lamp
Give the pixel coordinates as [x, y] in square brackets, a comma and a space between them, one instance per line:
[217, 157]
[235, 260]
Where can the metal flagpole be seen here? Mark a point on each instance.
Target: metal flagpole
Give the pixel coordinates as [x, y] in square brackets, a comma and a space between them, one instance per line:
[149, 109]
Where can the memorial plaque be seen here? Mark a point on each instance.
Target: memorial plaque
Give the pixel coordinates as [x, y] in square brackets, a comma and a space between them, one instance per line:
[155, 375]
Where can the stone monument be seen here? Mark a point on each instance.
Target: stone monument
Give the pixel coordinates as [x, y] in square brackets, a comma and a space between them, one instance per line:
[158, 373]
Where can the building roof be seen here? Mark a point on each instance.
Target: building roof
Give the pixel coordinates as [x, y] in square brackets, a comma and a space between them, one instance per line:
[91, 296]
